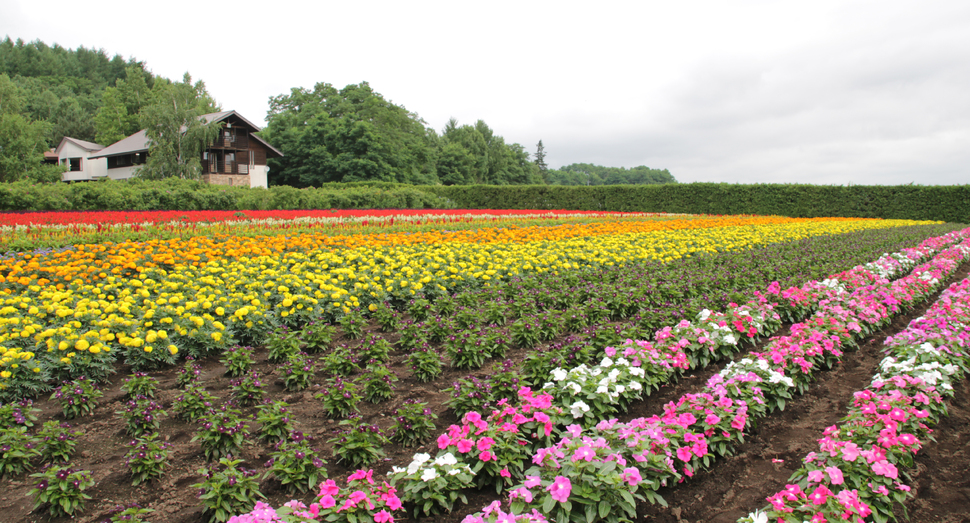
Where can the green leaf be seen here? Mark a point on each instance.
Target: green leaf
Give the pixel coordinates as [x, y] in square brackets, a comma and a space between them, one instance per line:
[605, 507]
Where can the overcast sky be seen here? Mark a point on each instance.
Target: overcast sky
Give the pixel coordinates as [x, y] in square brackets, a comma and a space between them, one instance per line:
[829, 92]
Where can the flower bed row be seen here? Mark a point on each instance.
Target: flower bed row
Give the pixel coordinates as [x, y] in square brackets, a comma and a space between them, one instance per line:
[151, 319]
[540, 417]
[699, 427]
[859, 468]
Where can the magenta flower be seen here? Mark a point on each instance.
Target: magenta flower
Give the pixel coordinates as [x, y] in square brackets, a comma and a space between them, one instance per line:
[329, 488]
[819, 495]
[465, 446]
[327, 501]
[885, 468]
[560, 489]
[683, 453]
[383, 517]
[584, 453]
[532, 481]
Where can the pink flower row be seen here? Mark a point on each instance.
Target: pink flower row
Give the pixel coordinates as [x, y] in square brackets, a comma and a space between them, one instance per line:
[856, 472]
[689, 429]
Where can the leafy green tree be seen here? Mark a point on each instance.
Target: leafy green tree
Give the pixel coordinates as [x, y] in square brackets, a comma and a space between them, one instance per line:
[590, 174]
[121, 106]
[353, 134]
[175, 130]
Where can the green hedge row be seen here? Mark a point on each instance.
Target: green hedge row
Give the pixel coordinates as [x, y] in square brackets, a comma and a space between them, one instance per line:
[185, 195]
[950, 203]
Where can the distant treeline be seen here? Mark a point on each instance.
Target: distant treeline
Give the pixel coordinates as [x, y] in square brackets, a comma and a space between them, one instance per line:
[589, 174]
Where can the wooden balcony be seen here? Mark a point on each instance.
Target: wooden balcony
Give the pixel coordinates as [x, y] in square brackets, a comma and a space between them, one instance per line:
[233, 141]
[218, 167]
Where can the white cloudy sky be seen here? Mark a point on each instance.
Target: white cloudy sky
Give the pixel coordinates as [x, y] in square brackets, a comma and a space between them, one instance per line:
[833, 92]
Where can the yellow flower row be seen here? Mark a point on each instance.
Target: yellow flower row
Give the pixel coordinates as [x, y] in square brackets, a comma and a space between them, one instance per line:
[156, 313]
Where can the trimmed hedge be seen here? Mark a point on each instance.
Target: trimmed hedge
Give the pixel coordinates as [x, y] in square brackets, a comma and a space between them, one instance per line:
[185, 195]
[950, 203]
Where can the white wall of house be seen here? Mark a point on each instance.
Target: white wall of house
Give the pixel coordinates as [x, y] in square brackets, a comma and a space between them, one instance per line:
[258, 176]
[122, 173]
[90, 169]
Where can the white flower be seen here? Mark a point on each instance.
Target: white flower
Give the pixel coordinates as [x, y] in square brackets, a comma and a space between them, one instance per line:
[620, 389]
[729, 339]
[395, 470]
[574, 387]
[636, 385]
[607, 362]
[602, 390]
[558, 374]
[429, 474]
[446, 459]
[703, 315]
[578, 409]
[758, 517]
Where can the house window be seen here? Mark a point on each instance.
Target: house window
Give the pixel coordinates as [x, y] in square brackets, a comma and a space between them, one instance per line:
[73, 164]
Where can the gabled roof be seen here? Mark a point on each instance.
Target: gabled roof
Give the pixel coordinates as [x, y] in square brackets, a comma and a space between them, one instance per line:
[139, 142]
[87, 146]
[135, 143]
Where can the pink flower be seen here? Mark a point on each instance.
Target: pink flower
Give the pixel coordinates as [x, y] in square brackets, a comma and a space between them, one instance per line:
[383, 517]
[683, 453]
[835, 474]
[523, 493]
[473, 417]
[584, 453]
[357, 496]
[327, 501]
[361, 474]
[816, 476]
[486, 456]
[393, 502]
[712, 419]
[443, 441]
[560, 489]
[465, 445]
[885, 468]
[532, 481]
[329, 488]
[632, 476]
[505, 473]
[485, 443]
[897, 414]
[574, 430]
[850, 451]
[819, 495]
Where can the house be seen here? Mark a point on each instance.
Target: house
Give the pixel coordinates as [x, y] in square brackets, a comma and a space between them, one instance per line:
[238, 156]
[75, 155]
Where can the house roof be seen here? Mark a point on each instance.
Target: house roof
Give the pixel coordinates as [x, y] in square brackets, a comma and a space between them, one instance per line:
[135, 143]
[87, 146]
[139, 142]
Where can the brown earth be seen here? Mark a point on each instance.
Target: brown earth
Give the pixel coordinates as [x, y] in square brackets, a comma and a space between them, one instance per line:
[733, 487]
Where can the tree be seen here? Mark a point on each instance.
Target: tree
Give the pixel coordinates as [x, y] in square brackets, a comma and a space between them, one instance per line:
[353, 134]
[121, 105]
[176, 133]
[540, 162]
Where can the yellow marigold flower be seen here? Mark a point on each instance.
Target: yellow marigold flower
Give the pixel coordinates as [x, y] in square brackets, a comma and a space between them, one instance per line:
[173, 349]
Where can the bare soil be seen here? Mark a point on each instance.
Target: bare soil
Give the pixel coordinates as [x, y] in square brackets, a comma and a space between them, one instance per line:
[733, 487]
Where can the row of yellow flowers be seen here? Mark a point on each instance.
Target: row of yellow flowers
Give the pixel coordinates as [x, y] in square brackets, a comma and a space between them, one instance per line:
[90, 263]
[199, 297]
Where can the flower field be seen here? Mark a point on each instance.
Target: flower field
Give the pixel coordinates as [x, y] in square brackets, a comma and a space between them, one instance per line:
[387, 365]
